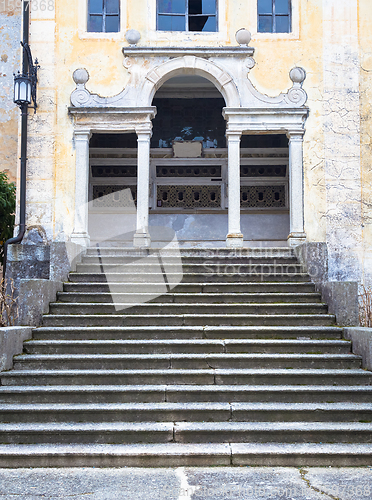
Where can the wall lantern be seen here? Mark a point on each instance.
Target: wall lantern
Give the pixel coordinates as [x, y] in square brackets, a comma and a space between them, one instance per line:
[25, 84]
[22, 89]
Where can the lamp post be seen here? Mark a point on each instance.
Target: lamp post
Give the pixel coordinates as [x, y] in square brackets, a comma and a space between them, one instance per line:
[24, 93]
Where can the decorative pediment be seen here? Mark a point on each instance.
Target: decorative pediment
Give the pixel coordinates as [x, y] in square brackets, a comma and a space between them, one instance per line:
[226, 67]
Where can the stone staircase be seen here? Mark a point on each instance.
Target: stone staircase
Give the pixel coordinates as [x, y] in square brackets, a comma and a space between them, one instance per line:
[239, 364]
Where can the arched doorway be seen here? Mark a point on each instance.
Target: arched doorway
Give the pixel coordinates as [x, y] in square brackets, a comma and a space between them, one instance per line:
[189, 170]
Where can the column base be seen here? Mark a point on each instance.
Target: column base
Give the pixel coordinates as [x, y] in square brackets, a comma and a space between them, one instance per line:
[234, 240]
[141, 240]
[82, 239]
[295, 239]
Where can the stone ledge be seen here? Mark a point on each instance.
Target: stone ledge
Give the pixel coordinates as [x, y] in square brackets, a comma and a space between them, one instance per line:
[11, 343]
[362, 344]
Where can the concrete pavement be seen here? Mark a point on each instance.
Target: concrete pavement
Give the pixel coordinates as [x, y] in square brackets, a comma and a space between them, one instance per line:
[217, 483]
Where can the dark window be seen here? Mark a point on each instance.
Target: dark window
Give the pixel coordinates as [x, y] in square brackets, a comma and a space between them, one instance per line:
[187, 15]
[274, 16]
[103, 16]
[189, 120]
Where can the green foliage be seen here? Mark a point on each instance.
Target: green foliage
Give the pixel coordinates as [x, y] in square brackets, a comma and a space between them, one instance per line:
[7, 210]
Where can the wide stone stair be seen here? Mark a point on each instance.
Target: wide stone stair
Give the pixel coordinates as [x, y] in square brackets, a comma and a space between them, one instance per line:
[228, 359]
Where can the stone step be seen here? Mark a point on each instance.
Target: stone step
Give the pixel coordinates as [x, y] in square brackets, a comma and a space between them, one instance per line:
[90, 394]
[187, 259]
[196, 288]
[189, 308]
[264, 346]
[144, 277]
[184, 432]
[202, 412]
[204, 269]
[186, 298]
[267, 252]
[181, 455]
[186, 332]
[184, 361]
[256, 376]
[265, 432]
[163, 320]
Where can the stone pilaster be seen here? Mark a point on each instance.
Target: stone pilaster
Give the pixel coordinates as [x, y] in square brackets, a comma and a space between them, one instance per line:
[234, 237]
[80, 234]
[296, 188]
[142, 236]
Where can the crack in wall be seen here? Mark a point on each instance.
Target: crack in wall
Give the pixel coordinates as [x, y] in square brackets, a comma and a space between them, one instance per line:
[303, 473]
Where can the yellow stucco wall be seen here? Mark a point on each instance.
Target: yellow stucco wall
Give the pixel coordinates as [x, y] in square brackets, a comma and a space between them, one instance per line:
[62, 46]
[365, 43]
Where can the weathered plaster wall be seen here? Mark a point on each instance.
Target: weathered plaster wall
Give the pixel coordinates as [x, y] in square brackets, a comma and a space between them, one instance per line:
[330, 41]
[365, 86]
[341, 68]
[41, 189]
[10, 32]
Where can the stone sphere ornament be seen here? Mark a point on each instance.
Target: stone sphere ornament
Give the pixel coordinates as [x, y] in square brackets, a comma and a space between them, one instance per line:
[80, 76]
[243, 37]
[297, 75]
[132, 37]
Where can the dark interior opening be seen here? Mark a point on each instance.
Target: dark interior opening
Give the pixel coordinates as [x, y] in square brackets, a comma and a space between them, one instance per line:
[113, 141]
[189, 120]
[264, 141]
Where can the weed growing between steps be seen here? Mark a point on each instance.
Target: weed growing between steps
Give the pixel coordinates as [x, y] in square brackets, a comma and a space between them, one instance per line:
[365, 307]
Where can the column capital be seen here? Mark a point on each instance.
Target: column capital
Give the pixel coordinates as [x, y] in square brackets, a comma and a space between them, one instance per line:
[296, 134]
[82, 133]
[233, 135]
[144, 129]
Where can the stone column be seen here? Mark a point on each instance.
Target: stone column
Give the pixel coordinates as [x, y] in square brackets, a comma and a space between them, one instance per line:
[234, 237]
[296, 189]
[142, 237]
[80, 234]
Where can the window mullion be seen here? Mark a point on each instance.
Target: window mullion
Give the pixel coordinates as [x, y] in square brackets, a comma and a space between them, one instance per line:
[187, 15]
[104, 17]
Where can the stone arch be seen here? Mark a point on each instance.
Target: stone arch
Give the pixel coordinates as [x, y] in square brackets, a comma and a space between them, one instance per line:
[190, 65]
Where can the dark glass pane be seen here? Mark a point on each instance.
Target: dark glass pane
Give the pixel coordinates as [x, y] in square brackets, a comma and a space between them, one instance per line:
[112, 24]
[281, 6]
[112, 6]
[189, 119]
[198, 23]
[265, 24]
[195, 7]
[172, 6]
[95, 24]
[282, 24]
[202, 6]
[95, 6]
[265, 6]
[171, 23]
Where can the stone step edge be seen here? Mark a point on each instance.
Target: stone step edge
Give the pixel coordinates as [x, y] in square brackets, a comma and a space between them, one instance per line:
[174, 305]
[177, 454]
[190, 342]
[198, 328]
[190, 356]
[163, 388]
[194, 406]
[180, 371]
[201, 315]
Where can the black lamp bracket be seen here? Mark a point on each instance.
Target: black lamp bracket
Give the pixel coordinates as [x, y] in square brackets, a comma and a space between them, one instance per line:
[32, 71]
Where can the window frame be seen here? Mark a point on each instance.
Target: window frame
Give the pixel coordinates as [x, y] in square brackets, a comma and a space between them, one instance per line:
[266, 36]
[274, 17]
[186, 15]
[104, 15]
